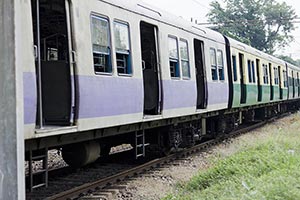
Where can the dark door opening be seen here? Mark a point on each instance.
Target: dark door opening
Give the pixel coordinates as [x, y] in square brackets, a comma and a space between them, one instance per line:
[52, 62]
[280, 82]
[259, 87]
[271, 84]
[150, 58]
[242, 78]
[293, 79]
[200, 74]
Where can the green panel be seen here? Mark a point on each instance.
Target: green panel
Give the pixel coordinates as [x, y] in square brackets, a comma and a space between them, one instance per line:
[276, 93]
[290, 92]
[252, 94]
[285, 93]
[265, 94]
[236, 95]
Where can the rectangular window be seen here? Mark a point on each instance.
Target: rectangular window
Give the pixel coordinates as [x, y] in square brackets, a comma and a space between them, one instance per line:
[276, 76]
[184, 55]
[220, 65]
[213, 61]
[249, 72]
[253, 72]
[285, 84]
[101, 44]
[173, 57]
[234, 68]
[266, 76]
[122, 46]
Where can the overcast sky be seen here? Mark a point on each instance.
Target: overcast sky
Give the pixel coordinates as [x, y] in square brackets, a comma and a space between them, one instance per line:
[197, 9]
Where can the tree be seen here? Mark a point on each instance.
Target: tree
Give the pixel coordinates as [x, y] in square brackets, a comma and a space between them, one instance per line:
[263, 24]
[288, 59]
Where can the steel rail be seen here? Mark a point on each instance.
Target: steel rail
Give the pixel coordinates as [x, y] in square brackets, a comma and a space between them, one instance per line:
[80, 191]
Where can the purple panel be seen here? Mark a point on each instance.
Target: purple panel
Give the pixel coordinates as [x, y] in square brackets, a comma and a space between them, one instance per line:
[217, 93]
[179, 94]
[102, 96]
[30, 97]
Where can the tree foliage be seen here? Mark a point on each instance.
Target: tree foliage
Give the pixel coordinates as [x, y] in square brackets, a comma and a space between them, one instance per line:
[263, 24]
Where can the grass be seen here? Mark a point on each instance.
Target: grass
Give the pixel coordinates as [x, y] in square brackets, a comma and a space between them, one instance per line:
[262, 168]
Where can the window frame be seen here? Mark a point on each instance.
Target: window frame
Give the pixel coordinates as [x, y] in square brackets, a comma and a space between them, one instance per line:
[253, 71]
[184, 41]
[234, 67]
[110, 54]
[249, 71]
[221, 78]
[213, 67]
[129, 61]
[171, 59]
[265, 74]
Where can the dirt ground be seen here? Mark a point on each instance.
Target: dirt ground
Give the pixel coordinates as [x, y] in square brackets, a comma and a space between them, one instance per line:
[160, 182]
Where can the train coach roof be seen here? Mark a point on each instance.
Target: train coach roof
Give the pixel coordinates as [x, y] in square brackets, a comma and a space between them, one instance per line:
[142, 8]
[244, 47]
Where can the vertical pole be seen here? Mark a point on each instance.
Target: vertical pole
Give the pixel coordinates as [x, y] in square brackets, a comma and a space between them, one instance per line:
[39, 67]
[12, 175]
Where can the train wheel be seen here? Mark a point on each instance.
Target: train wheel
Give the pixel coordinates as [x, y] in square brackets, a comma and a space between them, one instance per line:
[81, 154]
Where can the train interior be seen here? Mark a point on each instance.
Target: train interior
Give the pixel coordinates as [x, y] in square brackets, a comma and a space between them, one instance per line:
[52, 58]
[200, 74]
[150, 69]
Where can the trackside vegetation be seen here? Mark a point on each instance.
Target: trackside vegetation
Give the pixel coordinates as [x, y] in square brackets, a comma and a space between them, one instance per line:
[266, 167]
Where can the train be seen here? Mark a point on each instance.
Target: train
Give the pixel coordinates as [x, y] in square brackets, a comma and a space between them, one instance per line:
[100, 73]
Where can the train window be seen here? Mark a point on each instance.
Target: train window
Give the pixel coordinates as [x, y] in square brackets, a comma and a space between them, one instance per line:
[173, 57]
[220, 65]
[249, 71]
[213, 61]
[121, 32]
[253, 72]
[234, 68]
[101, 44]
[285, 84]
[184, 56]
[276, 76]
[266, 76]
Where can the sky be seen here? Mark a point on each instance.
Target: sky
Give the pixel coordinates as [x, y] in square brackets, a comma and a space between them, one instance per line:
[198, 9]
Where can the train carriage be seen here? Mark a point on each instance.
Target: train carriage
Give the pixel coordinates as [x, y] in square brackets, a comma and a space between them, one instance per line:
[112, 71]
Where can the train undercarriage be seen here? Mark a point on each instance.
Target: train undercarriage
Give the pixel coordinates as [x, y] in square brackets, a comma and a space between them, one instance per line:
[160, 137]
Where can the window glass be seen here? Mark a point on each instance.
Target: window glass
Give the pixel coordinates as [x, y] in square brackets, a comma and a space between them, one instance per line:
[253, 72]
[101, 44]
[249, 72]
[284, 78]
[121, 32]
[173, 57]
[266, 76]
[220, 65]
[173, 48]
[184, 59]
[213, 61]
[234, 68]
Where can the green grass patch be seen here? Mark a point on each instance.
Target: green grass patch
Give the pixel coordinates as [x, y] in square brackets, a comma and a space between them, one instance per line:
[268, 169]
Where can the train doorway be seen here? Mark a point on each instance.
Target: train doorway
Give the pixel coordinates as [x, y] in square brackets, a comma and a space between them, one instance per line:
[280, 82]
[271, 83]
[150, 64]
[259, 86]
[53, 62]
[200, 74]
[242, 79]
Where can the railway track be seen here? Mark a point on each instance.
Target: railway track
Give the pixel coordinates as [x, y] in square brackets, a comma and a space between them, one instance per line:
[76, 187]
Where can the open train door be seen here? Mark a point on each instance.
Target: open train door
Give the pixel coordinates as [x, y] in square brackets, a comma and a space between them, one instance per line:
[54, 62]
[150, 64]
[242, 79]
[200, 74]
[280, 82]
